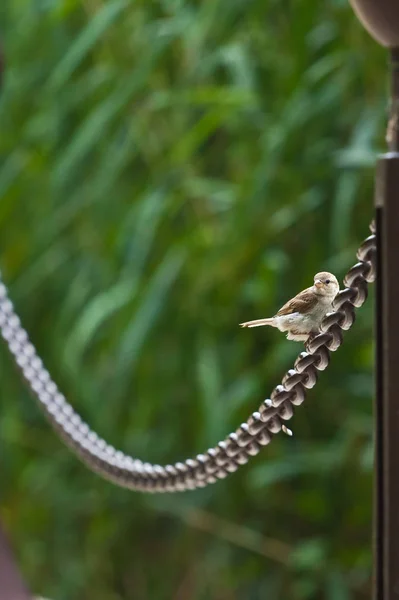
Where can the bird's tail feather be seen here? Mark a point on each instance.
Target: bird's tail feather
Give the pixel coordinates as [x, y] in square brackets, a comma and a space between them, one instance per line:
[258, 323]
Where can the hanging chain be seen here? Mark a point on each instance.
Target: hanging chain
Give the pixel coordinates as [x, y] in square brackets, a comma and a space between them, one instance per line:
[236, 450]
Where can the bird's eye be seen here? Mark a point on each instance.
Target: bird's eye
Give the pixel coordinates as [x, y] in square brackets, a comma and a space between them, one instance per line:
[328, 281]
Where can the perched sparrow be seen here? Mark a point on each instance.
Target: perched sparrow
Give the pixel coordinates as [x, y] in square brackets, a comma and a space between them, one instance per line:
[301, 317]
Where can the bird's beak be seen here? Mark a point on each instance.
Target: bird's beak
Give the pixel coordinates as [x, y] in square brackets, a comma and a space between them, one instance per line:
[318, 283]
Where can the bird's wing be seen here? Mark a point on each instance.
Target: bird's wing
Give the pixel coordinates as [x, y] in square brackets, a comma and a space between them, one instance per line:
[302, 303]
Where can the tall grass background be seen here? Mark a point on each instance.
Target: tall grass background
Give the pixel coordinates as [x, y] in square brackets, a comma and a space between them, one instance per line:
[168, 169]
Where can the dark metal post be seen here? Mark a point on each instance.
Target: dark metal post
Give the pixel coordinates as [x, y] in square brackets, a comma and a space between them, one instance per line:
[381, 19]
[387, 402]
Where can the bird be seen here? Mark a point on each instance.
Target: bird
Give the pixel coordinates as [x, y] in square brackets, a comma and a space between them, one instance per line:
[301, 316]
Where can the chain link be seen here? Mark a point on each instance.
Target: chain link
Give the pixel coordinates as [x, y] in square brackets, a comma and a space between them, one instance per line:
[237, 449]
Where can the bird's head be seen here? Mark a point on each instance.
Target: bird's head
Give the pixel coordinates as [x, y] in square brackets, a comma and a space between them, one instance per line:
[326, 284]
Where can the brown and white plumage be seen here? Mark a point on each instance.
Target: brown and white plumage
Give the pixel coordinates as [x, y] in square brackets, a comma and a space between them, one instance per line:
[301, 316]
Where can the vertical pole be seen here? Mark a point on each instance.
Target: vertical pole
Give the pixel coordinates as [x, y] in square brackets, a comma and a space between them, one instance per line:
[381, 19]
[386, 522]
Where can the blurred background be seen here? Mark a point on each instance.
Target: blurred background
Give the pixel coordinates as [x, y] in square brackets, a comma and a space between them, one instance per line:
[168, 169]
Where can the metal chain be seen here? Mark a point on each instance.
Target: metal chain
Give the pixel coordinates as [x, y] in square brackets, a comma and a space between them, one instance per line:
[236, 450]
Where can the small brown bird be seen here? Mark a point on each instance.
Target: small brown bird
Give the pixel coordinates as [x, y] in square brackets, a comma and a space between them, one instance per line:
[302, 316]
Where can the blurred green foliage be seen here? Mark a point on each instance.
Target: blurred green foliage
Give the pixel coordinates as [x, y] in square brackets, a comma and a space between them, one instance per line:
[169, 168]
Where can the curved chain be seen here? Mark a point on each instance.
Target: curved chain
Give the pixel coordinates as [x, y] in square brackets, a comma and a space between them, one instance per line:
[236, 450]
